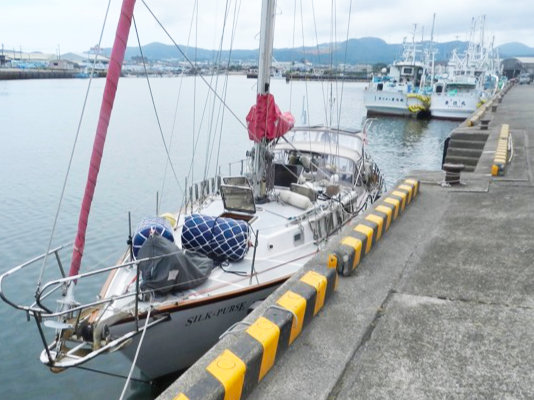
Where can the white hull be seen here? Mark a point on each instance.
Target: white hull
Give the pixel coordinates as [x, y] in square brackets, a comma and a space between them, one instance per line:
[176, 344]
[386, 103]
[453, 107]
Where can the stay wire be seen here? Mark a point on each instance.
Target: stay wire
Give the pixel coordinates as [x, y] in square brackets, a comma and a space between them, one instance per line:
[194, 142]
[344, 62]
[215, 74]
[293, 46]
[176, 106]
[191, 23]
[191, 63]
[78, 129]
[212, 130]
[319, 58]
[155, 108]
[237, 9]
[303, 49]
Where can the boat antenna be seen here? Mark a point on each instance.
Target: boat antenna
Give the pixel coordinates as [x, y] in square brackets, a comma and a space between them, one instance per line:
[110, 89]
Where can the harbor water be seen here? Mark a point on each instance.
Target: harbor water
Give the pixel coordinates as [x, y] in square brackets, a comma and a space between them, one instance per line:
[38, 125]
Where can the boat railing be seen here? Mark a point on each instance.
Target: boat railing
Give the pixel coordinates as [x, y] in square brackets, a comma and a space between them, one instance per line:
[45, 290]
[24, 265]
[197, 192]
[68, 309]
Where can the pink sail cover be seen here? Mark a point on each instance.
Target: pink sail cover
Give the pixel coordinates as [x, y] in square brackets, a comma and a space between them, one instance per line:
[114, 71]
[265, 120]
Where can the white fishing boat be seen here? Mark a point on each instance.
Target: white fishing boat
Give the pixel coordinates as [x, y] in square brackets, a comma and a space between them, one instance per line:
[455, 99]
[461, 89]
[457, 93]
[187, 277]
[401, 91]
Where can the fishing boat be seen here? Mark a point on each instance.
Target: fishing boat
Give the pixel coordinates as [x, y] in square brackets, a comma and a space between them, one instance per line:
[455, 99]
[186, 278]
[469, 80]
[401, 90]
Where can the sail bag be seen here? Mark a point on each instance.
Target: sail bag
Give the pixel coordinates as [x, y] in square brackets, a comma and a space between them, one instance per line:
[222, 239]
[266, 121]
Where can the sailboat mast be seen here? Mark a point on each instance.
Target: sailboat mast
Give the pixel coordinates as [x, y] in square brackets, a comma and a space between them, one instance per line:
[112, 80]
[264, 80]
[266, 45]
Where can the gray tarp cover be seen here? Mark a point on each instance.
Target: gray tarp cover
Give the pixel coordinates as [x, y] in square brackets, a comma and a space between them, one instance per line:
[178, 271]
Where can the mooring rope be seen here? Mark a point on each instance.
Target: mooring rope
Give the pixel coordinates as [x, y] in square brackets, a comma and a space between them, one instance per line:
[134, 361]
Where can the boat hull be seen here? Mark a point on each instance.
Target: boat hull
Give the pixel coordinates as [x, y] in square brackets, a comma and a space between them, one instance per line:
[457, 106]
[453, 108]
[188, 333]
[386, 103]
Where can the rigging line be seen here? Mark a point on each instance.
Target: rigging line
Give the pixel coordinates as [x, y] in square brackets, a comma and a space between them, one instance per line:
[197, 138]
[333, 36]
[171, 140]
[76, 137]
[177, 103]
[176, 109]
[189, 61]
[237, 10]
[319, 58]
[193, 131]
[211, 129]
[303, 48]
[154, 106]
[221, 110]
[293, 46]
[344, 62]
[126, 384]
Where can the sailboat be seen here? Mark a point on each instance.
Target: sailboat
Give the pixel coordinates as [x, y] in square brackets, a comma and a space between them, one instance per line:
[186, 278]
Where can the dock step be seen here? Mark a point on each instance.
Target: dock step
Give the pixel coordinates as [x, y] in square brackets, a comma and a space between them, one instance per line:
[467, 135]
[463, 152]
[473, 161]
[466, 144]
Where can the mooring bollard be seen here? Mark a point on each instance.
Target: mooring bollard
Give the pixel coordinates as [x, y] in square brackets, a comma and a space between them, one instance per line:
[452, 173]
[494, 108]
[484, 124]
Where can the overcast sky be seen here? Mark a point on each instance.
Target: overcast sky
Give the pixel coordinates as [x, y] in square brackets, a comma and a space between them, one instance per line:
[74, 25]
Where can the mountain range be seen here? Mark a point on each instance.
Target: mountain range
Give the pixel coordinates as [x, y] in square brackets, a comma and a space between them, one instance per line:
[367, 50]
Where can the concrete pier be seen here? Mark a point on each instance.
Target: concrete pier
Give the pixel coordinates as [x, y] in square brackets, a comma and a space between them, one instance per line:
[443, 304]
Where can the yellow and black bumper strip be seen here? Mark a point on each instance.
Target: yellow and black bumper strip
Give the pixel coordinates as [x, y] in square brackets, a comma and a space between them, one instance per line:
[501, 154]
[373, 225]
[234, 373]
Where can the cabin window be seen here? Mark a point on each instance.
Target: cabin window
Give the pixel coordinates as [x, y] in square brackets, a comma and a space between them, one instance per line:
[407, 71]
[380, 86]
[439, 89]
